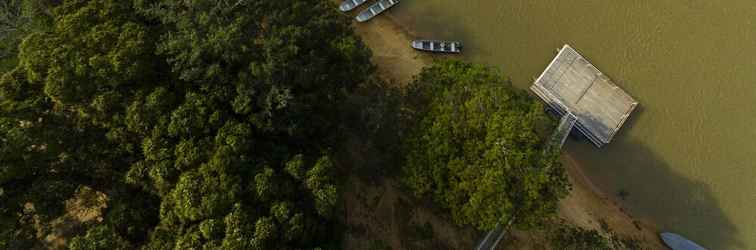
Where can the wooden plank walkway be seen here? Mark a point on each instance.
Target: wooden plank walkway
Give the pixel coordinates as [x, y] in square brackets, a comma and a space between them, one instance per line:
[494, 236]
[566, 124]
[571, 84]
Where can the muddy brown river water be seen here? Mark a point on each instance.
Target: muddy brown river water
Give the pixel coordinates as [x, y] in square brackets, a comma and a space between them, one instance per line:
[686, 156]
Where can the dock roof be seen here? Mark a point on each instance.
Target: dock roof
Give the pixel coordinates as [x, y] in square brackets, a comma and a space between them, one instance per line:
[571, 84]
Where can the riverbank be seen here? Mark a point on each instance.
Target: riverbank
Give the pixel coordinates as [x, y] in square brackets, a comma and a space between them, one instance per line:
[586, 206]
[390, 42]
[589, 207]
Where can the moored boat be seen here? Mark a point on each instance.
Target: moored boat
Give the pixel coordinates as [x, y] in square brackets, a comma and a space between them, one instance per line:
[677, 242]
[348, 5]
[376, 9]
[437, 46]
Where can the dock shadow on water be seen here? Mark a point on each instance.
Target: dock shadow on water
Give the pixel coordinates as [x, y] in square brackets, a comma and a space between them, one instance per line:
[652, 189]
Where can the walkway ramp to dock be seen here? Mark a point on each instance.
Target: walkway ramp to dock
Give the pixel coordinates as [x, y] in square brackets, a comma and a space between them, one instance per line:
[494, 236]
[562, 131]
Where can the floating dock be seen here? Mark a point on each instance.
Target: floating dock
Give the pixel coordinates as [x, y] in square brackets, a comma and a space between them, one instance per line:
[572, 85]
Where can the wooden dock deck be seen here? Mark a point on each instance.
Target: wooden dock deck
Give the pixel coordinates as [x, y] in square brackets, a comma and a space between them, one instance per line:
[571, 84]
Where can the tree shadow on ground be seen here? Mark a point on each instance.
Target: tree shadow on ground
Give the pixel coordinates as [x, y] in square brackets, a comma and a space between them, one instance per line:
[653, 189]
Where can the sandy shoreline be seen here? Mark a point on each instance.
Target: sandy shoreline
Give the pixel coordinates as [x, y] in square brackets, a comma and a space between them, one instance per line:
[390, 42]
[586, 205]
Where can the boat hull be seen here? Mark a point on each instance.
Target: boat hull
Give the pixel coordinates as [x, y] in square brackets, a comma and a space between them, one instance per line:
[349, 5]
[375, 10]
[677, 242]
[437, 46]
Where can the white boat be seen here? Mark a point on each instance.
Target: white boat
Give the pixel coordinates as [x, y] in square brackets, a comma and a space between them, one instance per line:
[437, 46]
[376, 9]
[348, 5]
[677, 242]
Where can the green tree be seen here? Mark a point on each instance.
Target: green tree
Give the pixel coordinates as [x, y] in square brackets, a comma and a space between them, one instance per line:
[99, 238]
[18, 18]
[478, 148]
[321, 184]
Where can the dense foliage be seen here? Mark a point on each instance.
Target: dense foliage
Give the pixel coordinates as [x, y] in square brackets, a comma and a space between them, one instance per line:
[478, 148]
[575, 238]
[17, 19]
[208, 123]
[561, 235]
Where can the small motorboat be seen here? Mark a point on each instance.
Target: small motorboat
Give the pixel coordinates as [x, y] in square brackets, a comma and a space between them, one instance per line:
[677, 242]
[376, 9]
[348, 5]
[437, 46]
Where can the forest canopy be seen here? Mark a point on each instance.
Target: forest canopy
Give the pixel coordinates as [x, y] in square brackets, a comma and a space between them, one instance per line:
[207, 123]
[479, 148]
[213, 124]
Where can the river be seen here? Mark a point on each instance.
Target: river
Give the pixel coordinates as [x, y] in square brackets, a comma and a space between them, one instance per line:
[685, 158]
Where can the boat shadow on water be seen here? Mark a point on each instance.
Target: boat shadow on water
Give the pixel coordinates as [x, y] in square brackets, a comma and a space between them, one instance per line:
[651, 189]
